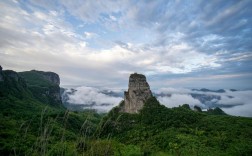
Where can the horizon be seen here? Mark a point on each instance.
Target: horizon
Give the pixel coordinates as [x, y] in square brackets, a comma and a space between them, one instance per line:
[175, 44]
[125, 87]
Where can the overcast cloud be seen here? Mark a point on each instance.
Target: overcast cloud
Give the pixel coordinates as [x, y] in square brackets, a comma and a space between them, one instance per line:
[99, 43]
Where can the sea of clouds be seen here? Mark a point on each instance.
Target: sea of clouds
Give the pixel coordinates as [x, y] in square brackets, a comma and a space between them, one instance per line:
[238, 103]
[233, 102]
[92, 98]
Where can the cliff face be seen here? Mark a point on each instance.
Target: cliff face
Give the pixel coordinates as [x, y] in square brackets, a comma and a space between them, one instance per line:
[138, 93]
[50, 76]
[12, 84]
[1, 73]
[44, 86]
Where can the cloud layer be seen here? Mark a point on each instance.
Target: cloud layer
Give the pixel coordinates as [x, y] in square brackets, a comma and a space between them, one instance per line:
[233, 102]
[91, 98]
[238, 103]
[99, 43]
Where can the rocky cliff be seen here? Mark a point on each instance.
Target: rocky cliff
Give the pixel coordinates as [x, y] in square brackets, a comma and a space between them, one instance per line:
[10, 75]
[44, 86]
[137, 94]
[50, 76]
[12, 85]
[1, 73]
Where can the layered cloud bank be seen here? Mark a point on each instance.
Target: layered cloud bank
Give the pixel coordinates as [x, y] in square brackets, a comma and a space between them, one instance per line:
[176, 43]
[91, 98]
[233, 102]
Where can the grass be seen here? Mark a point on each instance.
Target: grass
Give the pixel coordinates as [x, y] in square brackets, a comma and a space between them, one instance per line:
[52, 131]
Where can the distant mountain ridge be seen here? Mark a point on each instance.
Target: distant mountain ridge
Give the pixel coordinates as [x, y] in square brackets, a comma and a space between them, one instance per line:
[208, 90]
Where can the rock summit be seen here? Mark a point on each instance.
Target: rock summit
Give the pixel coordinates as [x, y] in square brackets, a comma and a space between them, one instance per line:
[138, 93]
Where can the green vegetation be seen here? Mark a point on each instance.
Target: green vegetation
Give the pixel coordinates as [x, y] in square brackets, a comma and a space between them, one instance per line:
[41, 88]
[35, 78]
[30, 127]
[31, 124]
[180, 131]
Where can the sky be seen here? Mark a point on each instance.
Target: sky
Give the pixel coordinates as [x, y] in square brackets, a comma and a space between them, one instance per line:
[175, 43]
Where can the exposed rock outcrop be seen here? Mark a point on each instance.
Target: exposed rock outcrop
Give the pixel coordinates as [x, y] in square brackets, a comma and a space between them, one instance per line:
[12, 84]
[11, 74]
[54, 92]
[50, 76]
[138, 93]
[44, 86]
[1, 73]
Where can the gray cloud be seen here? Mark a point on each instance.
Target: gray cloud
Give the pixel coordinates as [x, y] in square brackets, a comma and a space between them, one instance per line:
[171, 41]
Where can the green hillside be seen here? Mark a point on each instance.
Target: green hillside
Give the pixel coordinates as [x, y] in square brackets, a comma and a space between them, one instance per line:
[30, 127]
[42, 88]
[33, 123]
[34, 78]
[158, 130]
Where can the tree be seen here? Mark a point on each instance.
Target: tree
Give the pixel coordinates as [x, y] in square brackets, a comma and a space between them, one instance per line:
[197, 108]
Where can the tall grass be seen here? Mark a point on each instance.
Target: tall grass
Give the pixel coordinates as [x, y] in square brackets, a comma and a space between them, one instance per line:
[51, 137]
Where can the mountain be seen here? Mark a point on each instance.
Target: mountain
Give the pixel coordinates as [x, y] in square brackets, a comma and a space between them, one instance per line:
[208, 90]
[13, 85]
[44, 86]
[34, 122]
[159, 130]
[179, 131]
[138, 93]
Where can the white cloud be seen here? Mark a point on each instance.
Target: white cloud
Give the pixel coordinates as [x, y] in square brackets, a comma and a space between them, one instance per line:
[113, 18]
[240, 110]
[182, 58]
[173, 91]
[89, 35]
[176, 100]
[57, 36]
[239, 102]
[242, 100]
[93, 98]
[90, 10]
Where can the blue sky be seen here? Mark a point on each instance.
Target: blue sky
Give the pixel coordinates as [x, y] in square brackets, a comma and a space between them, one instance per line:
[180, 43]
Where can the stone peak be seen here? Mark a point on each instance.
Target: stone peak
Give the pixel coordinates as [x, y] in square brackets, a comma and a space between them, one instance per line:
[138, 93]
[136, 75]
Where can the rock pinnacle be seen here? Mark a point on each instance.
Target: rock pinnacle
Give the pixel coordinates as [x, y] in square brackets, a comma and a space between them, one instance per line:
[138, 93]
